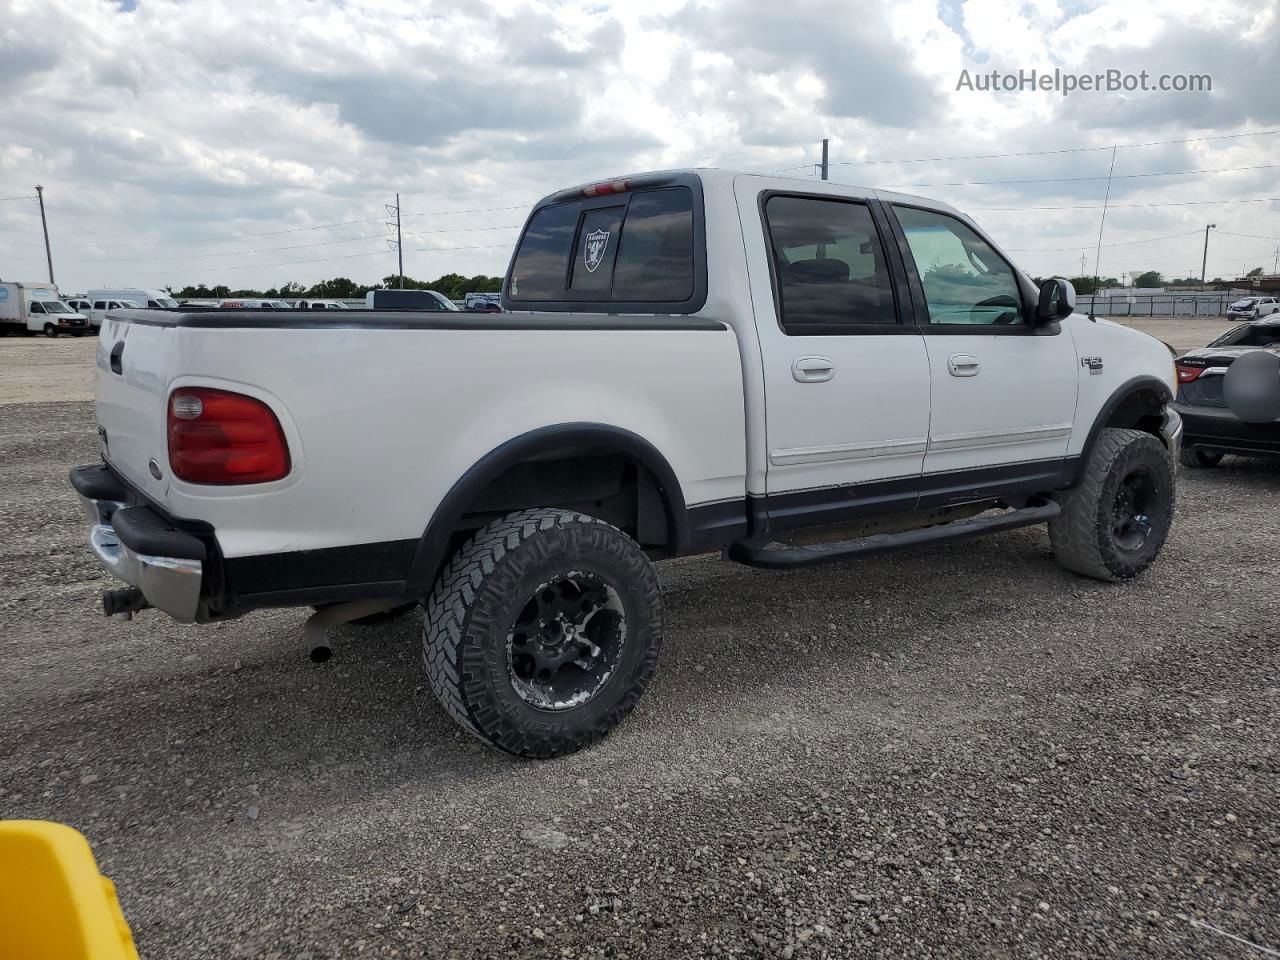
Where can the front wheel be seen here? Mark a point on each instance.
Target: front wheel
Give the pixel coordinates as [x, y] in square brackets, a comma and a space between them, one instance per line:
[1114, 522]
[50, 330]
[543, 631]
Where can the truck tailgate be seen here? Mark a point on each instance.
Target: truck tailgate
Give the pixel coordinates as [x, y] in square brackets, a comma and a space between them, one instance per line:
[135, 362]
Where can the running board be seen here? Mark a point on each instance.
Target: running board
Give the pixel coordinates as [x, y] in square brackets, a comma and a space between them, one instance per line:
[778, 557]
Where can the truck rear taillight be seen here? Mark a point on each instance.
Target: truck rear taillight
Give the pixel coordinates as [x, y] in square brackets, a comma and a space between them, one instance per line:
[1187, 374]
[220, 437]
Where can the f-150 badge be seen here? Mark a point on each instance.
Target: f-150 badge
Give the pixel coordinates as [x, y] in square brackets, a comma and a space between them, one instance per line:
[1093, 363]
[596, 243]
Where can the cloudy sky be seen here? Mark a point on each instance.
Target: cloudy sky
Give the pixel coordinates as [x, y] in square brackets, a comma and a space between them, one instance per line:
[254, 144]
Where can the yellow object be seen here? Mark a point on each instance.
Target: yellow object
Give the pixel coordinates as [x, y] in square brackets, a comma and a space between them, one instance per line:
[54, 904]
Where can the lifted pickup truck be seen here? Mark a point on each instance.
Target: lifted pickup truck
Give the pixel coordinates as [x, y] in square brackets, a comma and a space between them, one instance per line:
[694, 361]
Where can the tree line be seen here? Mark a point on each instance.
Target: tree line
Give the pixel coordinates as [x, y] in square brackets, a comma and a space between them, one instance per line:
[452, 285]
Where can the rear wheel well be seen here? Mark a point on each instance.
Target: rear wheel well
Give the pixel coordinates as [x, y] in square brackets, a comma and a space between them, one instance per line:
[612, 487]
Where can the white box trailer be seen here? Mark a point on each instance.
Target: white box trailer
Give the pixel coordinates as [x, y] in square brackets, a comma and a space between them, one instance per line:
[35, 308]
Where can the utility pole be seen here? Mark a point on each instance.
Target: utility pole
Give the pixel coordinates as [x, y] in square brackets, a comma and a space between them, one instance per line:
[1083, 257]
[397, 243]
[824, 158]
[48, 254]
[1275, 264]
[1204, 261]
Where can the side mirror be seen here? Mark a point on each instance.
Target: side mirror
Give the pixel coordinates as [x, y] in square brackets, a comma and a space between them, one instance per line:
[1057, 300]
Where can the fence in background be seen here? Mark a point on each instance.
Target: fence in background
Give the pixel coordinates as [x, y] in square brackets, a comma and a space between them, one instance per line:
[1158, 305]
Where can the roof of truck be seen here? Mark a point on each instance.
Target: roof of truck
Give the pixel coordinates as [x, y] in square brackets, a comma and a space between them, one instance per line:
[722, 174]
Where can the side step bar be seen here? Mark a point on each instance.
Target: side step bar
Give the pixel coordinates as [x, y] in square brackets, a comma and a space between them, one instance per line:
[778, 557]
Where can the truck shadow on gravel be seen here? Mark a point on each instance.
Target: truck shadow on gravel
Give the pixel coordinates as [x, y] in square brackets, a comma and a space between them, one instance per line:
[273, 729]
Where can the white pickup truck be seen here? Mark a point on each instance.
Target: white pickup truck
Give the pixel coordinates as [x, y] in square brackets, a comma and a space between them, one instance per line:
[693, 361]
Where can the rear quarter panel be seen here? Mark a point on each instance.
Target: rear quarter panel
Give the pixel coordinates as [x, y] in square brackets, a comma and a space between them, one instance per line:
[382, 422]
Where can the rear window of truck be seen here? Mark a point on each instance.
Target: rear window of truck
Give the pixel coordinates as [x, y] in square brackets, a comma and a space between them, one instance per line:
[634, 248]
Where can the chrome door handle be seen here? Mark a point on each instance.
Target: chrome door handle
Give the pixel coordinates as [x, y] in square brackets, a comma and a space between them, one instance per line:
[963, 365]
[812, 369]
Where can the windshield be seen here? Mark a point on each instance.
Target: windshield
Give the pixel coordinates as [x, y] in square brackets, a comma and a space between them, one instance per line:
[56, 306]
[446, 302]
[167, 302]
[1250, 335]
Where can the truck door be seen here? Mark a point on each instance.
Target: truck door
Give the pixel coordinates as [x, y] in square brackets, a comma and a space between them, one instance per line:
[1003, 389]
[846, 375]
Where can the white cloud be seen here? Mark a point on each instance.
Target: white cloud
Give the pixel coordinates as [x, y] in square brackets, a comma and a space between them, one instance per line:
[185, 142]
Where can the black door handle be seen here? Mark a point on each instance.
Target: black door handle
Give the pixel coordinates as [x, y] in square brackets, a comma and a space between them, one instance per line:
[116, 353]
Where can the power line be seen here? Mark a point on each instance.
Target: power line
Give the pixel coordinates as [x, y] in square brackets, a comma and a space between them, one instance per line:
[1045, 153]
[349, 256]
[318, 226]
[1172, 203]
[23, 197]
[236, 239]
[1085, 246]
[1122, 176]
[1251, 236]
[296, 246]
[232, 253]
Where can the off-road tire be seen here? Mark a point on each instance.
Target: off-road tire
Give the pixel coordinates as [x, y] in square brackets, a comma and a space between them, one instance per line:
[1082, 535]
[1198, 459]
[470, 614]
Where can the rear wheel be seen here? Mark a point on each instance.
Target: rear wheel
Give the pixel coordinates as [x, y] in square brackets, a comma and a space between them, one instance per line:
[50, 330]
[1196, 458]
[543, 631]
[1115, 521]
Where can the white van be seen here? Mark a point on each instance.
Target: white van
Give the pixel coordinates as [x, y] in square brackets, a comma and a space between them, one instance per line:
[320, 305]
[101, 307]
[35, 308]
[148, 299]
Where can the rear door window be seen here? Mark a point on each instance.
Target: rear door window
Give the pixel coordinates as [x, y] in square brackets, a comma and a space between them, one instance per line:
[830, 270]
[637, 249]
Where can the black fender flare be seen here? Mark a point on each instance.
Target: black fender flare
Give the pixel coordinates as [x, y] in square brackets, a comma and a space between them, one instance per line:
[1145, 383]
[543, 443]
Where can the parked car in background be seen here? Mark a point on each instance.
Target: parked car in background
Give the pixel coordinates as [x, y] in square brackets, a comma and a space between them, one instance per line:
[486, 306]
[408, 300]
[473, 301]
[101, 307]
[1253, 308]
[79, 304]
[35, 308]
[1210, 427]
[320, 305]
[696, 361]
[255, 304]
[146, 298]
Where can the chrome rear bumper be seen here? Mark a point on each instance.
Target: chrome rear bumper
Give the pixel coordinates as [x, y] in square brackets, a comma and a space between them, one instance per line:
[171, 584]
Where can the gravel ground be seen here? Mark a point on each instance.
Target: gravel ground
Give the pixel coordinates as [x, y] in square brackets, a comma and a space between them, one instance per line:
[961, 751]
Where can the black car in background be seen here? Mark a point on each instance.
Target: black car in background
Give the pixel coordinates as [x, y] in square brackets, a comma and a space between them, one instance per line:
[1210, 428]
